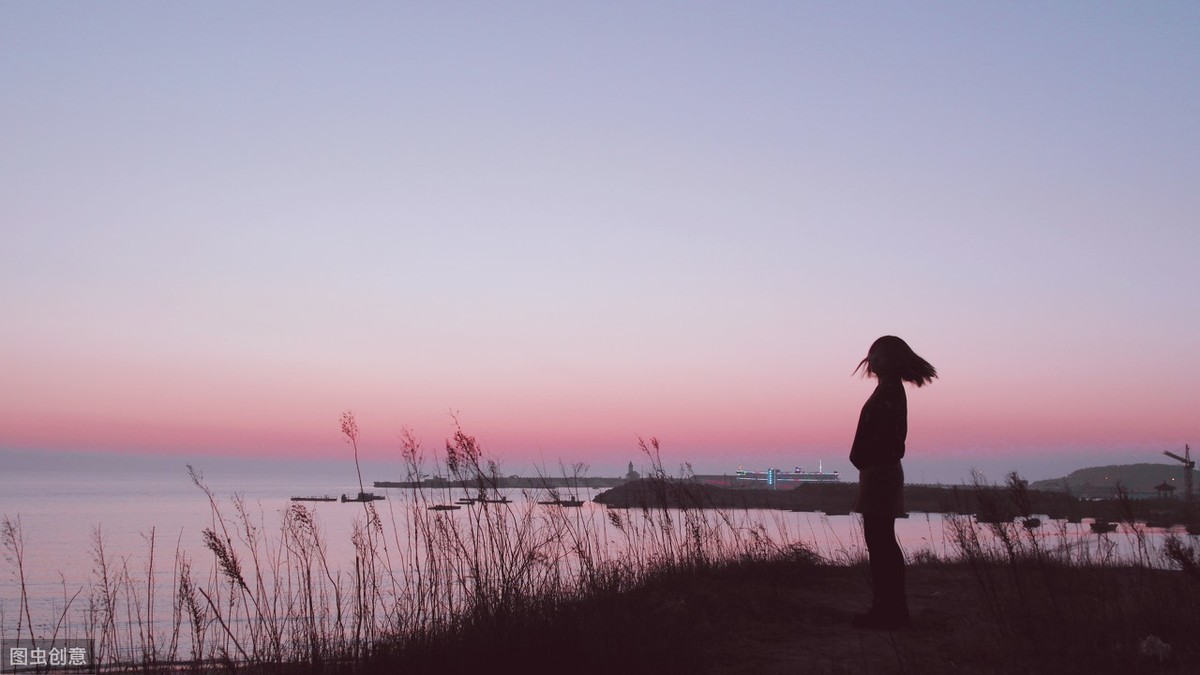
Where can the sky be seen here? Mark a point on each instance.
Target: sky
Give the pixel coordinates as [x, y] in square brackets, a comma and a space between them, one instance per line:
[571, 225]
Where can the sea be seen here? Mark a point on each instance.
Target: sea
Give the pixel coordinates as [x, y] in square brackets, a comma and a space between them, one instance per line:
[66, 513]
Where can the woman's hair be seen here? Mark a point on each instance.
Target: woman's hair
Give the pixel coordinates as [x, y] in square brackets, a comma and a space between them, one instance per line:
[896, 358]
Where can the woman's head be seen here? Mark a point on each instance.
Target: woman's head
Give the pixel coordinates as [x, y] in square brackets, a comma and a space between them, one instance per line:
[889, 356]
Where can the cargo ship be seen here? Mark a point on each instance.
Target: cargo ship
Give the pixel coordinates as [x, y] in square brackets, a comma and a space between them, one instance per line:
[779, 477]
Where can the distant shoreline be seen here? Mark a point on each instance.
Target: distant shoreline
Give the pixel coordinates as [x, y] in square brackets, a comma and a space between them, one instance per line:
[987, 503]
[992, 503]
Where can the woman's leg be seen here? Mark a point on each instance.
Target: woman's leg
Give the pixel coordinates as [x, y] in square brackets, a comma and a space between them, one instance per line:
[887, 567]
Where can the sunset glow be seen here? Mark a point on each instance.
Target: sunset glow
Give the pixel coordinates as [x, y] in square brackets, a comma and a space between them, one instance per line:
[578, 225]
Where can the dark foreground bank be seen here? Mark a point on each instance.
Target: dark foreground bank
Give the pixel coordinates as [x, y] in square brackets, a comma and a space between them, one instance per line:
[793, 616]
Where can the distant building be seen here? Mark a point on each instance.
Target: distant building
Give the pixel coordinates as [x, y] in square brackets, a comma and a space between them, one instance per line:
[1164, 489]
[631, 474]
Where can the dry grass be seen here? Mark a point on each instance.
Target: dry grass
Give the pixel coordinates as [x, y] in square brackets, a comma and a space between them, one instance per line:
[685, 589]
[270, 597]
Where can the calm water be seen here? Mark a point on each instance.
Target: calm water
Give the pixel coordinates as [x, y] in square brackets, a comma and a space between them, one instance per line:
[61, 508]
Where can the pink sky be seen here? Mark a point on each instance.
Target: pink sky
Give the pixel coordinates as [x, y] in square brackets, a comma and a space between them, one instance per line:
[584, 224]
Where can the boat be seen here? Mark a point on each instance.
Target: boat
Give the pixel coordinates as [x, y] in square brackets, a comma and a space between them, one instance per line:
[445, 507]
[1103, 527]
[994, 518]
[778, 477]
[363, 497]
[572, 502]
[322, 498]
[495, 500]
[466, 501]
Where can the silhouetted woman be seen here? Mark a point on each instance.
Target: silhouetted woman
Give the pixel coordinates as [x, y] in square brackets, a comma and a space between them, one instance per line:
[876, 453]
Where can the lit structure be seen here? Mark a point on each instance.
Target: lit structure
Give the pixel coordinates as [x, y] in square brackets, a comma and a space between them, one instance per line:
[776, 477]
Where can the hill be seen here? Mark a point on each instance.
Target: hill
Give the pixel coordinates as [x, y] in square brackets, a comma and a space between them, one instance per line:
[1102, 481]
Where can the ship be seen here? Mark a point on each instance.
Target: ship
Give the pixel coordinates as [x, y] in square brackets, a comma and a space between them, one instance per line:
[572, 502]
[779, 477]
[363, 497]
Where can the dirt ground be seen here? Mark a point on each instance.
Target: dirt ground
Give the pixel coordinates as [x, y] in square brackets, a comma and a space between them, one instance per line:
[806, 627]
[801, 623]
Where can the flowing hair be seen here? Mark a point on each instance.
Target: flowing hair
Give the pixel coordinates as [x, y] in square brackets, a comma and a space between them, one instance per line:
[899, 360]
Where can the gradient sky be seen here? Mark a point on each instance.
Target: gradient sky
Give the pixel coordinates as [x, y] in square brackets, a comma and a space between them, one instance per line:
[577, 223]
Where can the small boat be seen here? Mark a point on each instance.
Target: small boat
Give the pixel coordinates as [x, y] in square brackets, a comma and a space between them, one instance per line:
[495, 500]
[363, 497]
[466, 501]
[445, 507]
[322, 498]
[572, 502]
[1103, 527]
[992, 519]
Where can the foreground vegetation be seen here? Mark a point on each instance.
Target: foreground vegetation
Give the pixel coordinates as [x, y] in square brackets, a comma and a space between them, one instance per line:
[792, 615]
[689, 589]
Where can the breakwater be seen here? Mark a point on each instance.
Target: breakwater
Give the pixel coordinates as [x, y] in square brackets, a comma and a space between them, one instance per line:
[506, 482]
